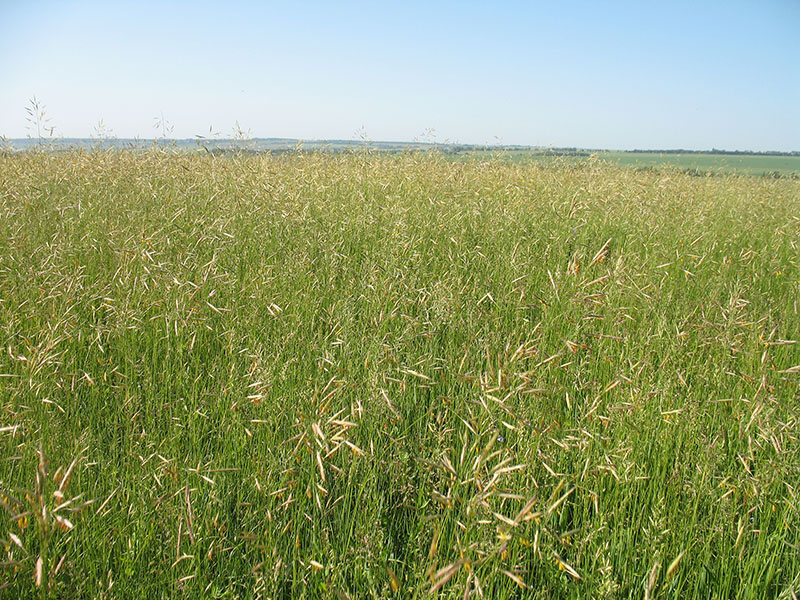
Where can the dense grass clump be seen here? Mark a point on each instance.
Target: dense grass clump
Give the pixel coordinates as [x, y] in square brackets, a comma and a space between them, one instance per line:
[374, 376]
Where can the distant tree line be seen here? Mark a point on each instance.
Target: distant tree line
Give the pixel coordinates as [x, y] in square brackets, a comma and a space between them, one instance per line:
[282, 145]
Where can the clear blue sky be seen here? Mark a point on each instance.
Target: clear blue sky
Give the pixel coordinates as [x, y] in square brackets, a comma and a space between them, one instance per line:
[695, 74]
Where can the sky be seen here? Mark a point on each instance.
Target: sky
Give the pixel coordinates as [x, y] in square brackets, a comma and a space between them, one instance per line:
[611, 74]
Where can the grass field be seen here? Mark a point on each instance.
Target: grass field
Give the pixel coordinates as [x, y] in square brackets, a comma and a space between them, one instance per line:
[379, 376]
[786, 165]
[744, 164]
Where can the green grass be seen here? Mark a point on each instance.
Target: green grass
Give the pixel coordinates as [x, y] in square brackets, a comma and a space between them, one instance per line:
[371, 376]
[745, 164]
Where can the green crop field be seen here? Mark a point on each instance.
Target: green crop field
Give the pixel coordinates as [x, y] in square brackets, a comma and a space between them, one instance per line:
[368, 375]
[700, 163]
[750, 164]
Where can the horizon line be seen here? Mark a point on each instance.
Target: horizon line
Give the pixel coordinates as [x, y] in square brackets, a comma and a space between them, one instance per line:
[200, 140]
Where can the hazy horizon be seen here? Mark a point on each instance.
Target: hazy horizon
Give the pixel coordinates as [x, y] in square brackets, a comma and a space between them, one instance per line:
[617, 76]
[252, 143]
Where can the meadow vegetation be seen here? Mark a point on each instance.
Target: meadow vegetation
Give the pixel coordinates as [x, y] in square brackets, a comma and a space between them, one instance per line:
[375, 376]
[694, 163]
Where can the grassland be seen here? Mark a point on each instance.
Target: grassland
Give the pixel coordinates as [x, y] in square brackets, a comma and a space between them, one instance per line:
[748, 164]
[378, 376]
[697, 163]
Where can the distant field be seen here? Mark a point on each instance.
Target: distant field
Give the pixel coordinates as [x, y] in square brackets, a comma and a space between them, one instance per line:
[750, 164]
[375, 375]
[713, 163]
